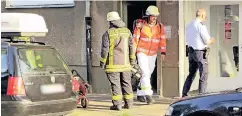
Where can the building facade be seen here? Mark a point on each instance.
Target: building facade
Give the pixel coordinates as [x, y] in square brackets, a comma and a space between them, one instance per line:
[67, 32]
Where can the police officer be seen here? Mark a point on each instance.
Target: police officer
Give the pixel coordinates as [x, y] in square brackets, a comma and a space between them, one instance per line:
[198, 40]
[117, 55]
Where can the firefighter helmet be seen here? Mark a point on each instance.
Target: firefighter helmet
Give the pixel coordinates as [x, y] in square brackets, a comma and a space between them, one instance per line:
[152, 10]
[112, 16]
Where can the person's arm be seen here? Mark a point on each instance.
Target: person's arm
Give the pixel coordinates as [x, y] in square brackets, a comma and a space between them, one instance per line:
[163, 41]
[136, 32]
[104, 49]
[132, 51]
[205, 35]
[136, 37]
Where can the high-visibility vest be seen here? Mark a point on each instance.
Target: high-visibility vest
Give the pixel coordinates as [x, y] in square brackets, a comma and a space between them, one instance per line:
[34, 61]
[149, 39]
[118, 59]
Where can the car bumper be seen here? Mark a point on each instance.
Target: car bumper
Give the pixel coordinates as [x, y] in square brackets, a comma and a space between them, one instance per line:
[45, 108]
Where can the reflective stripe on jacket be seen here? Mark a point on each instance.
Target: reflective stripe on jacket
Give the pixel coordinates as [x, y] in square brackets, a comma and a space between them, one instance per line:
[149, 39]
[117, 50]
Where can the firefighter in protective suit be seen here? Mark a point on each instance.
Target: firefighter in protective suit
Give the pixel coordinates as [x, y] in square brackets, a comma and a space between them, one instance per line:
[148, 37]
[117, 56]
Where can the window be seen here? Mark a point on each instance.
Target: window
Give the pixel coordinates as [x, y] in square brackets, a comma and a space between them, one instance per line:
[4, 62]
[38, 3]
[4, 71]
[41, 59]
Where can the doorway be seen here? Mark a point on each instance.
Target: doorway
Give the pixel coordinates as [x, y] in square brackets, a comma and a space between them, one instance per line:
[135, 10]
[224, 26]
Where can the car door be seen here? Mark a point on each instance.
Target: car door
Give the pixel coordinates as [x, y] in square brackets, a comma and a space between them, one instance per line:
[45, 74]
[235, 107]
[232, 106]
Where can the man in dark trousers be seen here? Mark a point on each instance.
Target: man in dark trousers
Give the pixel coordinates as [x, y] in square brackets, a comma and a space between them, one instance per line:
[118, 55]
[198, 40]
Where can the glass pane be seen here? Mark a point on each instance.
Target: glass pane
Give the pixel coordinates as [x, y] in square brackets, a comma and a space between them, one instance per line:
[224, 23]
[223, 60]
[4, 61]
[41, 59]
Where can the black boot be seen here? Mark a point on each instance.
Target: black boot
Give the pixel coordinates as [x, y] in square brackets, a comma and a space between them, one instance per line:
[149, 99]
[184, 95]
[118, 107]
[141, 98]
[127, 106]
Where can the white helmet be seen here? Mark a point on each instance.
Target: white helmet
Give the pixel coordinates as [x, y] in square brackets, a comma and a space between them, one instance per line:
[152, 10]
[112, 16]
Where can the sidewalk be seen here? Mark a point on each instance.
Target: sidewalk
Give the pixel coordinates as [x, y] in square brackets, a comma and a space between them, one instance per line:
[99, 106]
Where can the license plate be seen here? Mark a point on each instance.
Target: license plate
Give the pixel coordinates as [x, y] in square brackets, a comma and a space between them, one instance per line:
[51, 89]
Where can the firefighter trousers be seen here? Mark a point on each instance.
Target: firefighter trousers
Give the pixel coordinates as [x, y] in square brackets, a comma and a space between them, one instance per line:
[121, 87]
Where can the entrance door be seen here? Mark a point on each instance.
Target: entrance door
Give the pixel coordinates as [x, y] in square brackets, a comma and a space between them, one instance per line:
[224, 73]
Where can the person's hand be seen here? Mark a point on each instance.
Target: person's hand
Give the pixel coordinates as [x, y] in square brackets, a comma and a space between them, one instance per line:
[212, 40]
[102, 65]
[133, 62]
[139, 25]
[163, 57]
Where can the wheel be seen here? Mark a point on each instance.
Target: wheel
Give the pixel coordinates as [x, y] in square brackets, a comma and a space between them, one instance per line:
[84, 103]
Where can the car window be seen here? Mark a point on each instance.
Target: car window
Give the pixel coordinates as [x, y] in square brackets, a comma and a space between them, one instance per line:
[4, 71]
[41, 59]
[4, 61]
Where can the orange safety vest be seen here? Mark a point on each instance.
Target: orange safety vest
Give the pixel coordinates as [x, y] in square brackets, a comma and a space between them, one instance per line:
[149, 39]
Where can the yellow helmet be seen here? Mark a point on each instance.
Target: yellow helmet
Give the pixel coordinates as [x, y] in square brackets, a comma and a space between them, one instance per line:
[152, 10]
[112, 16]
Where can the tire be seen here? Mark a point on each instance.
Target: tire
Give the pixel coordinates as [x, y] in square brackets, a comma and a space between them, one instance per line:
[84, 103]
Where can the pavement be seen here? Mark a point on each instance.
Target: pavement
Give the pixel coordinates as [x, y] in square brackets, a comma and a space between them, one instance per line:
[99, 106]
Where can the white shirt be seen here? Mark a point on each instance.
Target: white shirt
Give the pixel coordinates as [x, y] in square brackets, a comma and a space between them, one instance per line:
[197, 35]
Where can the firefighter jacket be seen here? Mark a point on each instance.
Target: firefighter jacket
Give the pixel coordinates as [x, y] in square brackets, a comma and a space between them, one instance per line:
[117, 52]
[149, 39]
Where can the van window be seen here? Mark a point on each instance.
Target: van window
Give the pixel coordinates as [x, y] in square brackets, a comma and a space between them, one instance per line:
[41, 60]
[4, 61]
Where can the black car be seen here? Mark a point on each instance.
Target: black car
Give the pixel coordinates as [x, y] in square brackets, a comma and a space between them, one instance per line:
[34, 80]
[226, 103]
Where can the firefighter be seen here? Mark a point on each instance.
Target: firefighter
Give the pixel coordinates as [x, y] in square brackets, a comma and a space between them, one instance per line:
[117, 55]
[34, 60]
[148, 37]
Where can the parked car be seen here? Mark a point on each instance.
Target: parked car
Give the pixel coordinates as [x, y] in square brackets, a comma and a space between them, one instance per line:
[35, 79]
[226, 103]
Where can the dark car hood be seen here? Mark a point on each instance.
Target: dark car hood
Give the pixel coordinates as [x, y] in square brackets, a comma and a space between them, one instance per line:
[192, 98]
[207, 101]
